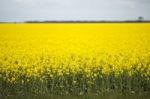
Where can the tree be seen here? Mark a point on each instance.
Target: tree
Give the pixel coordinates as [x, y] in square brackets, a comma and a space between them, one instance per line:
[140, 18]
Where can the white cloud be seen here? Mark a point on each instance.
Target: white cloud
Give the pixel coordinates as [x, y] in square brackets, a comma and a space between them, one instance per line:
[73, 9]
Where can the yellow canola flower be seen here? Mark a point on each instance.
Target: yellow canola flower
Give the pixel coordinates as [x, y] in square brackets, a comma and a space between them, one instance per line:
[44, 51]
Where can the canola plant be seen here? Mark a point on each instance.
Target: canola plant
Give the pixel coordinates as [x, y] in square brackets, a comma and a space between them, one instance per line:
[74, 58]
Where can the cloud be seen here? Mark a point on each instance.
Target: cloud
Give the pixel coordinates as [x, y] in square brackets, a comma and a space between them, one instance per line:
[73, 9]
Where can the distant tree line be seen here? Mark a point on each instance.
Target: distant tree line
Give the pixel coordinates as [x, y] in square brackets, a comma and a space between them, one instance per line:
[140, 19]
[128, 21]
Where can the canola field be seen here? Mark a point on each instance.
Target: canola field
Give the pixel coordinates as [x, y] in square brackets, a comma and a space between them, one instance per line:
[59, 58]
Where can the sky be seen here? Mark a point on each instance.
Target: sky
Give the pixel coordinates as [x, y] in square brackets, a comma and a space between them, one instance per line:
[63, 10]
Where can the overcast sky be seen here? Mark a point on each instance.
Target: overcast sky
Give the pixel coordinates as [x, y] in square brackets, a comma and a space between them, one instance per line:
[22, 10]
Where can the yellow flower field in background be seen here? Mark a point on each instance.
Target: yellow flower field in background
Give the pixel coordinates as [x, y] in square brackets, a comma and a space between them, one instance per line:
[75, 58]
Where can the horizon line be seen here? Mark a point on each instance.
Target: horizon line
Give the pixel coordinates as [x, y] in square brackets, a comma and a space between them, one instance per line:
[79, 21]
